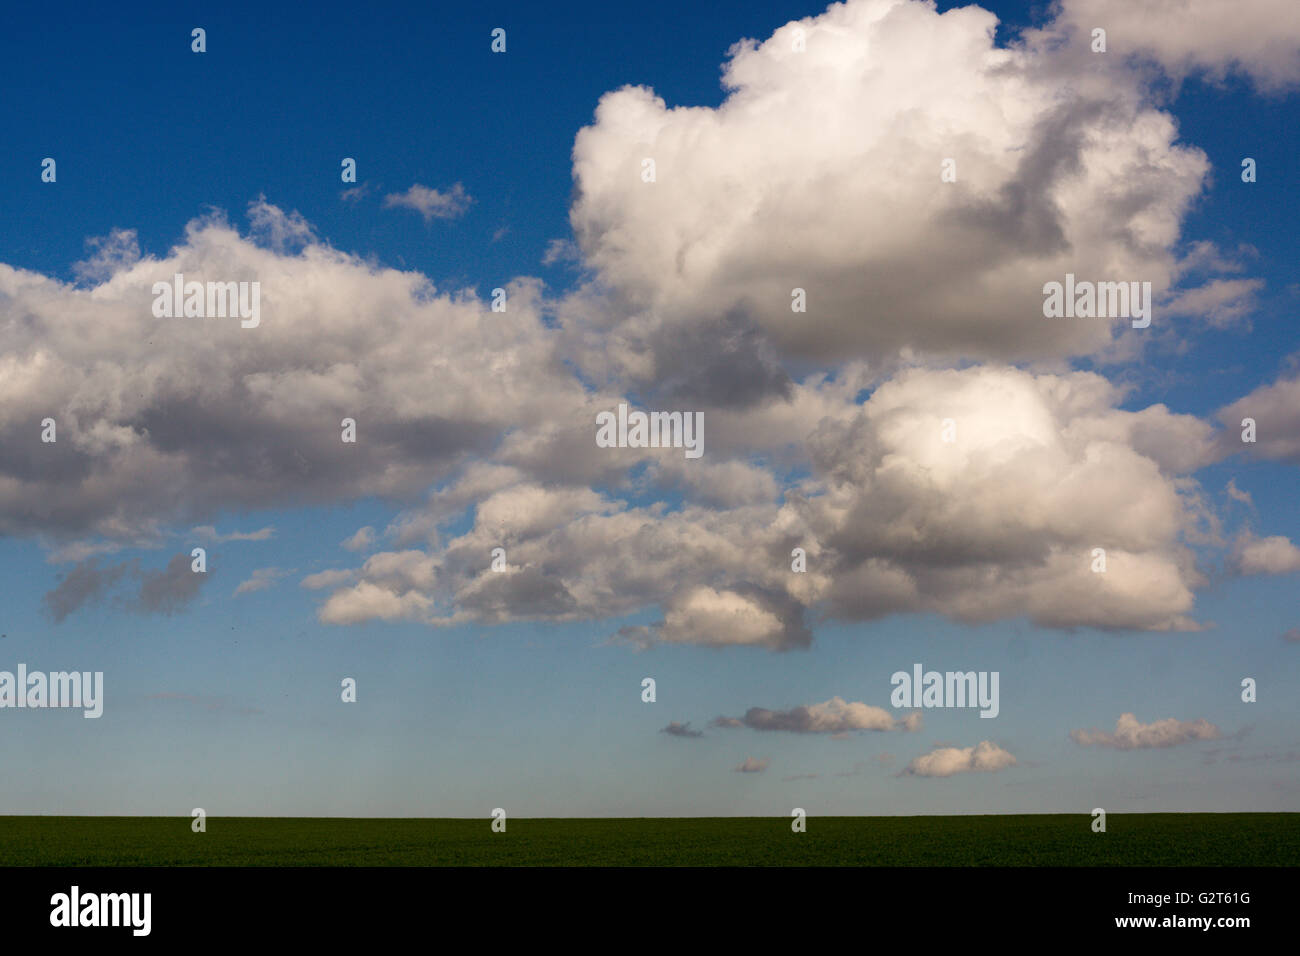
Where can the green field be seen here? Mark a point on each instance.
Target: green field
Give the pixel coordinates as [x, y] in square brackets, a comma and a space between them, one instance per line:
[1155, 839]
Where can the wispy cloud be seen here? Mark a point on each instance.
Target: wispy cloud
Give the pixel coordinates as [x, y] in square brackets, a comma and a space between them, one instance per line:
[261, 579]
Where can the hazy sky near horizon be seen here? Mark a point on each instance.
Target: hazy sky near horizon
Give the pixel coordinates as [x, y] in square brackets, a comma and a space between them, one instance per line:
[946, 457]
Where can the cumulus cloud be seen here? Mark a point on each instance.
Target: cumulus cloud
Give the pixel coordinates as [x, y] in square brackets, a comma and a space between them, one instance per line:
[1275, 409]
[430, 203]
[1131, 734]
[1001, 522]
[785, 186]
[1272, 555]
[213, 416]
[985, 756]
[835, 716]
[751, 765]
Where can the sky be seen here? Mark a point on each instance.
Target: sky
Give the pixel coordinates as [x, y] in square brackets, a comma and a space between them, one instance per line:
[945, 456]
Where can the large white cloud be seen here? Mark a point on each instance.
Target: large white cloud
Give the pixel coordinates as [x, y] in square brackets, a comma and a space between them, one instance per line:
[821, 171]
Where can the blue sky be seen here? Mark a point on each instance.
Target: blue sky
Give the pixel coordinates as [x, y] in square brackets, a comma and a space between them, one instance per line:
[232, 703]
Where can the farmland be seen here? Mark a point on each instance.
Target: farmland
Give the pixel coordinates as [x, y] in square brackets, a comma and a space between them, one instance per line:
[1170, 839]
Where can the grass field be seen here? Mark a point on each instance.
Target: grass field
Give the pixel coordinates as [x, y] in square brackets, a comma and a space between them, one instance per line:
[1168, 839]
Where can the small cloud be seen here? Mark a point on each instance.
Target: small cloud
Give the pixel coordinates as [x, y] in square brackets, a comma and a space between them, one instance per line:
[363, 540]
[1221, 303]
[430, 203]
[674, 729]
[984, 757]
[1236, 494]
[356, 193]
[500, 234]
[327, 579]
[753, 766]
[208, 533]
[1272, 555]
[835, 716]
[560, 250]
[1292, 636]
[261, 579]
[1130, 734]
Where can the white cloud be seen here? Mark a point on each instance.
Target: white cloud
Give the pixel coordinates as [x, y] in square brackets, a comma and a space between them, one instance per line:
[1131, 734]
[821, 171]
[212, 416]
[985, 756]
[1272, 555]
